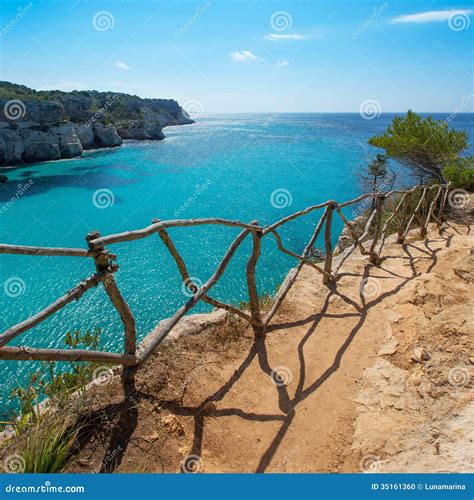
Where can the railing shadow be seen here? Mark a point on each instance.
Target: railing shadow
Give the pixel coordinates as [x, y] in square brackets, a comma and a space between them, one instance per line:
[288, 405]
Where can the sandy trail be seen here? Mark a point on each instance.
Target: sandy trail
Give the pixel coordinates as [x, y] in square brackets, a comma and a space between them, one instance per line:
[374, 372]
[321, 344]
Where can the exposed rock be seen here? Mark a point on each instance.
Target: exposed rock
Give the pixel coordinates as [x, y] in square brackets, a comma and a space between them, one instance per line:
[420, 355]
[141, 132]
[464, 267]
[193, 324]
[41, 151]
[38, 142]
[106, 137]
[85, 133]
[68, 142]
[346, 239]
[14, 111]
[61, 125]
[77, 108]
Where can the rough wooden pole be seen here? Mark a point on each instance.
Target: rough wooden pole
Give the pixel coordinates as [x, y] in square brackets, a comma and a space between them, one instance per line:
[146, 348]
[252, 282]
[328, 243]
[23, 353]
[111, 288]
[441, 216]
[293, 274]
[403, 219]
[72, 295]
[183, 270]
[424, 216]
[374, 258]
[415, 214]
[430, 213]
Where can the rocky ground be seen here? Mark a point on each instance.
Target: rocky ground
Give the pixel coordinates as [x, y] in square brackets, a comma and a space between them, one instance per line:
[372, 374]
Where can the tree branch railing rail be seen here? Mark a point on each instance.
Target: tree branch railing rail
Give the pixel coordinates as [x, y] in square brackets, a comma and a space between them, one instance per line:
[403, 215]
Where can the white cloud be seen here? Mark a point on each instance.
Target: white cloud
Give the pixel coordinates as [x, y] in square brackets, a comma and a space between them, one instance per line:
[282, 62]
[243, 56]
[431, 16]
[277, 37]
[121, 65]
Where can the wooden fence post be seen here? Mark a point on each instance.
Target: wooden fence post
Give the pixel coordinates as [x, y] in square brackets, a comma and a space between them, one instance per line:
[328, 243]
[424, 215]
[441, 215]
[403, 219]
[111, 288]
[373, 256]
[252, 282]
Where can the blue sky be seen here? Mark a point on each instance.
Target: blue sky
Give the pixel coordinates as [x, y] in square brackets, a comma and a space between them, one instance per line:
[248, 56]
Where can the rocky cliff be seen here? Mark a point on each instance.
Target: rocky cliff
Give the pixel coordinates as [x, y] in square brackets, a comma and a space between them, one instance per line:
[50, 125]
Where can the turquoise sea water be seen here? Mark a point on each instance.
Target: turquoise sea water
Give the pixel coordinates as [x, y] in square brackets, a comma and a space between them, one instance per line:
[223, 166]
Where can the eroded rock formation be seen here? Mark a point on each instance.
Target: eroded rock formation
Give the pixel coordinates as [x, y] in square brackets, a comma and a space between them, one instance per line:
[55, 125]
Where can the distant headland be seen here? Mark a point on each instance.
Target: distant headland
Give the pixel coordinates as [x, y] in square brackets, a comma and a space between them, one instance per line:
[52, 125]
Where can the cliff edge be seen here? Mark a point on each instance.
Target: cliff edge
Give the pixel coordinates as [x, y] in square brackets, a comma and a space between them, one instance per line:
[50, 125]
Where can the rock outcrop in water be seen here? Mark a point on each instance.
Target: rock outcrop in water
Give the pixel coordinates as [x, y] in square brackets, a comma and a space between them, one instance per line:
[50, 125]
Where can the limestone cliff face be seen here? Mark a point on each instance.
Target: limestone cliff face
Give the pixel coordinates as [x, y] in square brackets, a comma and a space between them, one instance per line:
[57, 125]
[43, 133]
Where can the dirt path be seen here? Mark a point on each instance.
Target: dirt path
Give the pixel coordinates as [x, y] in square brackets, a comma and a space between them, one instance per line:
[320, 344]
[355, 377]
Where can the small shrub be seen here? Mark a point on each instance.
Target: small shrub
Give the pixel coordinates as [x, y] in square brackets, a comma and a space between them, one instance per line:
[49, 382]
[49, 448]
[461, 173]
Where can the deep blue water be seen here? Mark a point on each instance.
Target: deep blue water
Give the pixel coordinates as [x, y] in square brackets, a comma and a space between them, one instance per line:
[224, 166]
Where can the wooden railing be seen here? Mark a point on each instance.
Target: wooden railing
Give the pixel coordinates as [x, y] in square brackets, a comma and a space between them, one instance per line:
[399, 204]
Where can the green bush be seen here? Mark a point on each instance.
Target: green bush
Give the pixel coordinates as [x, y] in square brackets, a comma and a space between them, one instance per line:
[461, 173]
[53, 383]
[50, 448]
[422, 144]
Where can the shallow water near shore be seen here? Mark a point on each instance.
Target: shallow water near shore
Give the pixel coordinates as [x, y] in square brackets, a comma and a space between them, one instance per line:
[241, 167]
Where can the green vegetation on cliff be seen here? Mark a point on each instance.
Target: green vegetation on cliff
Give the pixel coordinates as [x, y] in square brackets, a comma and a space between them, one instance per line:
[426, 146]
